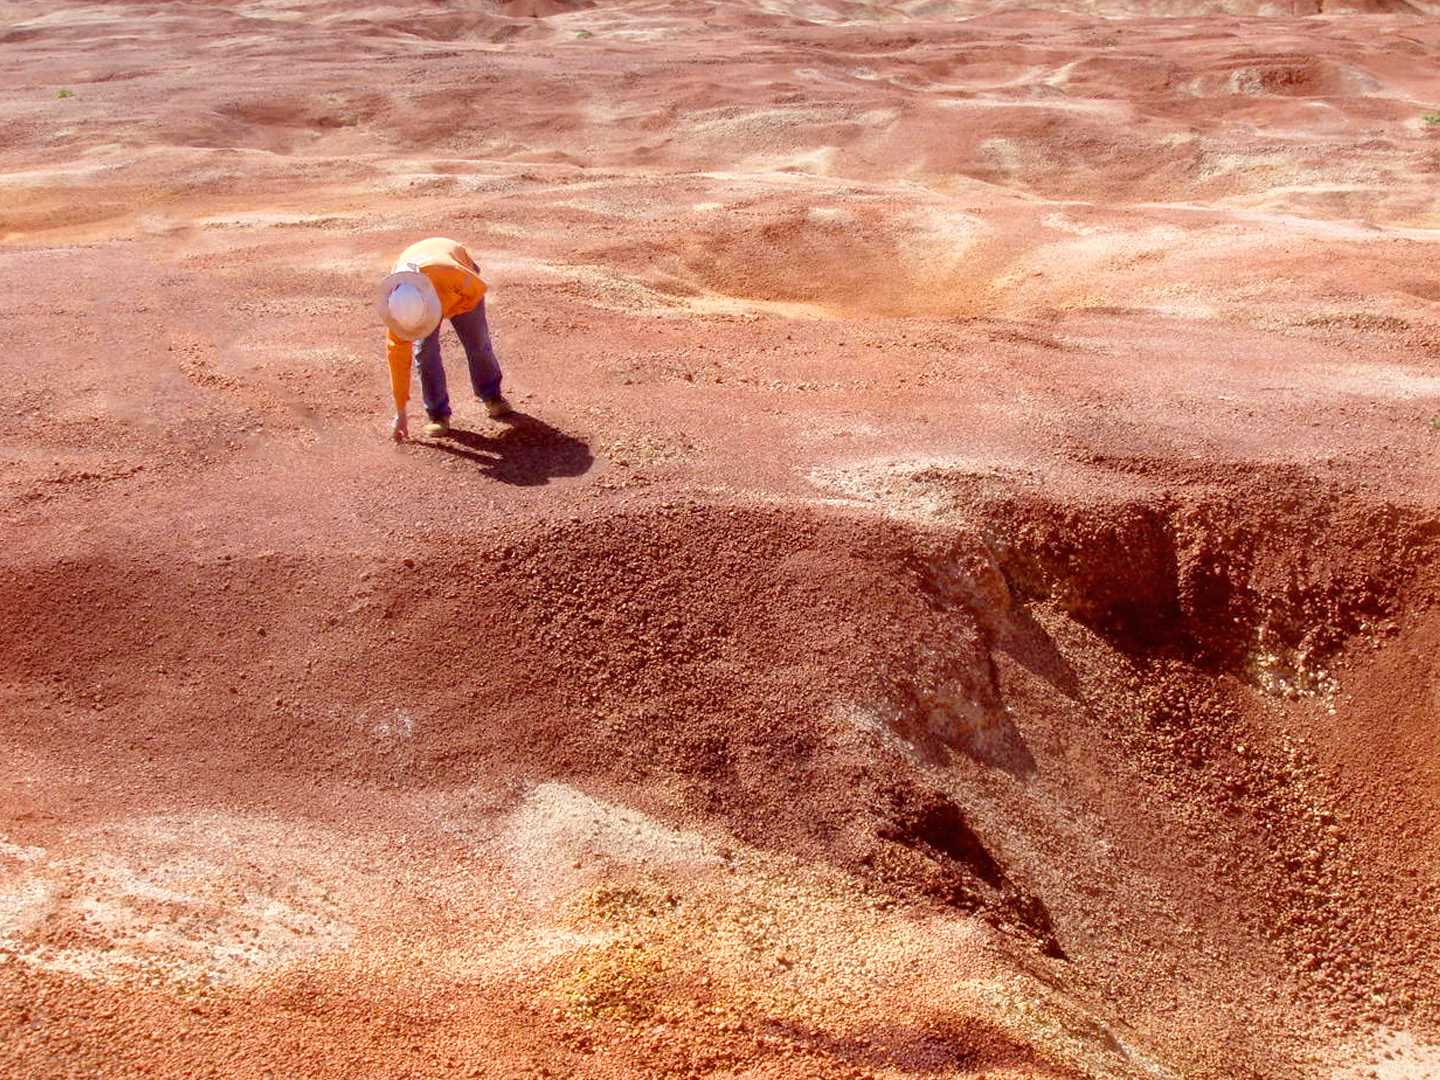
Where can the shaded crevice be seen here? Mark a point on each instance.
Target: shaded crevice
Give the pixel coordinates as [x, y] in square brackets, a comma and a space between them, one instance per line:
[1239, 584]
[933, 826]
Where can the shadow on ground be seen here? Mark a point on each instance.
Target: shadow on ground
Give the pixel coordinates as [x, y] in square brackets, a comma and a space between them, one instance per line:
[527, 452]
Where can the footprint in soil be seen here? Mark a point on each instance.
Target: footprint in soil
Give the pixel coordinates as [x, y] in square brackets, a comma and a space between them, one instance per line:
[527, 452]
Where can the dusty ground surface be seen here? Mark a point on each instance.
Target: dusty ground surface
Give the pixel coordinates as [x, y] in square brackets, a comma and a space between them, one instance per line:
[958, 602]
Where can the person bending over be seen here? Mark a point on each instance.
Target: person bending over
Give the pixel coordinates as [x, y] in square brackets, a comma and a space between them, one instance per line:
[437, 279]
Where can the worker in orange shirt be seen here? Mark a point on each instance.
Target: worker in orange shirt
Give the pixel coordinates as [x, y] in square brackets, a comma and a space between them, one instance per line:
[437, 279]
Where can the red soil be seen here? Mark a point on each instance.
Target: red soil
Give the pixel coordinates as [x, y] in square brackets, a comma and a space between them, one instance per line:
[959, 599]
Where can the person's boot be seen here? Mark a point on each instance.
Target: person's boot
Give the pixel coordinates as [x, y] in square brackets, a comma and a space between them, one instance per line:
[438, 429]
[498, 407]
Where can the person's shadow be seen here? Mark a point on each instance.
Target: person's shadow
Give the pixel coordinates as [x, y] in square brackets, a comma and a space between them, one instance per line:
[526, 452]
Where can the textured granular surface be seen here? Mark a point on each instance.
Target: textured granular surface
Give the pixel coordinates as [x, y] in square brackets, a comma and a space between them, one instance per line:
[958, 598]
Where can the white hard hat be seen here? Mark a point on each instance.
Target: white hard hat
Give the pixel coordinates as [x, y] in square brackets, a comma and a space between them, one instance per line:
[409, 305]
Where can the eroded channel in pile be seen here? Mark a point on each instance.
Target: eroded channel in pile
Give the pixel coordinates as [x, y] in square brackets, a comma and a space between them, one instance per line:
[1223, 606]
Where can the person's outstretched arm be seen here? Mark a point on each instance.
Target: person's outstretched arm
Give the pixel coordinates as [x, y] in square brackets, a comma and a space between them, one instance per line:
[398, 353]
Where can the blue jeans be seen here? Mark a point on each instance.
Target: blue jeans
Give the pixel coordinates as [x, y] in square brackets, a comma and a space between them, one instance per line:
[474, 334]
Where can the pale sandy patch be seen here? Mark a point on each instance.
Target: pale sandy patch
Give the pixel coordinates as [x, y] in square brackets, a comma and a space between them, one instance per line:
[919, 488]
[559, 838]
[218, 895]
[1384, 380]
[1390, 1055]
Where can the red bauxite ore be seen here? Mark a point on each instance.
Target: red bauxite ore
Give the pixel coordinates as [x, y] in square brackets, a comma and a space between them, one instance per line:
[958, 598]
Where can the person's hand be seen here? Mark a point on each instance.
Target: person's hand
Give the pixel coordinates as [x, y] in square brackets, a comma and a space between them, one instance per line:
[401, 427]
